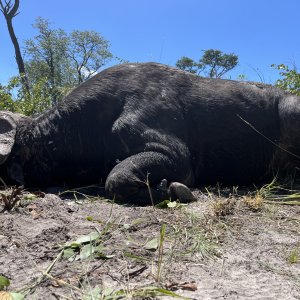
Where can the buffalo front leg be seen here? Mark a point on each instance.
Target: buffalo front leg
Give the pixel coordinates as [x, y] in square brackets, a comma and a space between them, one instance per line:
[141, 179]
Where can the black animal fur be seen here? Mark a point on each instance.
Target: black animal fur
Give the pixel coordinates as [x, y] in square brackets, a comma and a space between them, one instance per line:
[137, 120]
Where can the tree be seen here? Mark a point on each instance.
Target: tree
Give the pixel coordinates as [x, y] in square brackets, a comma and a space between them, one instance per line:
[290, 80]
[9, 11]
[64, 60]
[213, 63]
[46, 57]
[88, 52]
[55, 63]
[218, 63]
[187, 64]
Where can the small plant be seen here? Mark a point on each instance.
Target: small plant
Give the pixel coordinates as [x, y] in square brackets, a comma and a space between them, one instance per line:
[4, 283]
[255, 202]
[10, 197]
[223, 207]
[161, 251]
[201, 245]
[242, 77]
[294, 256]
[88, 246]
[170, 204]
[272, 193]
[275, 193]
[147, 182]
[193, 236]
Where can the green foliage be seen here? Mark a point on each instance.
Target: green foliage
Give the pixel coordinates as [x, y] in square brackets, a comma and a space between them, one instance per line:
[170, 204]
[4, 282]
[218, 63]
[14, 98]
[86, 246]
[242, 77]
[88, 52]
[59, 61]
[294, 256]
[45, 58]
[6, 97]
[290, 80]
[39, 100]
[56, 62]
[187, 64]
[213, 63]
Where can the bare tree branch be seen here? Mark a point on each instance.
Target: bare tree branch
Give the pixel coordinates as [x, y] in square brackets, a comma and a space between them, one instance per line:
[9, 11]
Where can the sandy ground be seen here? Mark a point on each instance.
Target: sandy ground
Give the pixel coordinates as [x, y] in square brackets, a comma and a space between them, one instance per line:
[214, 248]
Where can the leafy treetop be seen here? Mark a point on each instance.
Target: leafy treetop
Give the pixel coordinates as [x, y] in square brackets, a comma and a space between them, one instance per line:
[213, 63]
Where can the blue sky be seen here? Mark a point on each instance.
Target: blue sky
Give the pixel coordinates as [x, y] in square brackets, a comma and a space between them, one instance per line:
[260, 32]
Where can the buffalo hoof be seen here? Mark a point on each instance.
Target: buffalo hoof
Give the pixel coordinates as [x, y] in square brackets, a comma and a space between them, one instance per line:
[181, 192]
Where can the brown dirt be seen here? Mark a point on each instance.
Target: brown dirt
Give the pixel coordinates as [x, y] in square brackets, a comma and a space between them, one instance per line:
[209, 251]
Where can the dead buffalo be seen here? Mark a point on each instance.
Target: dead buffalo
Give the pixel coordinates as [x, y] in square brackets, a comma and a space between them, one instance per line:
[137, 121]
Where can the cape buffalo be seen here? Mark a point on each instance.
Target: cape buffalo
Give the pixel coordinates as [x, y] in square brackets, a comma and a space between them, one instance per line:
[135, 122]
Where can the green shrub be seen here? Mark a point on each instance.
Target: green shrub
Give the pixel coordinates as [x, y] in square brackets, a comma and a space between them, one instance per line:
[15, 99]
[290, 80]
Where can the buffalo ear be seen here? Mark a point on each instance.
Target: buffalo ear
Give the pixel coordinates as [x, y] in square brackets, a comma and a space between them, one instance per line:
[7, 134]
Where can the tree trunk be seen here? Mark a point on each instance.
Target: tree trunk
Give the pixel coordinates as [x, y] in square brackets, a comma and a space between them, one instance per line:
[9, 13]
[18, 54]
